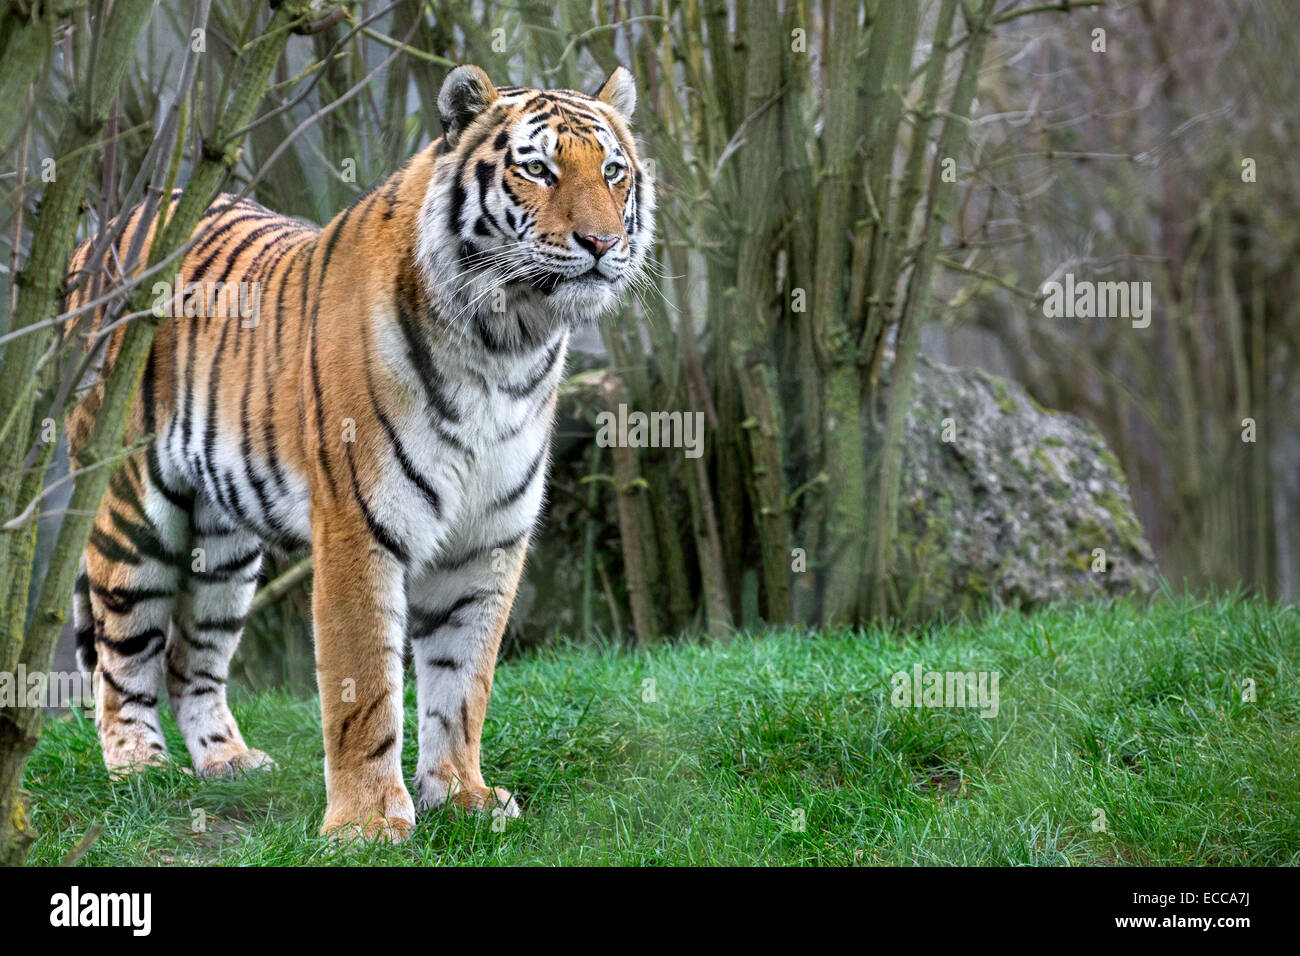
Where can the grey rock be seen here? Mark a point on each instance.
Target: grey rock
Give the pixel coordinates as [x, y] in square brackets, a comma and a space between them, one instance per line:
[1022, 506]
[1011, 511]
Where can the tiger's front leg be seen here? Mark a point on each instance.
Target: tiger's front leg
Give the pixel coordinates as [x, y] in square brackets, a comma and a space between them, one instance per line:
[457, 617]
[359, 619]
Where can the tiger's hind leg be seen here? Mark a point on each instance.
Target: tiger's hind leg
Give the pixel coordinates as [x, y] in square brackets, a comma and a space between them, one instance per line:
[210, 612]
[123, 605]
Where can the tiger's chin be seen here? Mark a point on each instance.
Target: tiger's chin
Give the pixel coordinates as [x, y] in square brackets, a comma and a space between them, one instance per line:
[588, 300]
[580, 300]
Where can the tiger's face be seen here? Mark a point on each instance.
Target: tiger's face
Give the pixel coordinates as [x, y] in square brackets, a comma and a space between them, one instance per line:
[538, 200]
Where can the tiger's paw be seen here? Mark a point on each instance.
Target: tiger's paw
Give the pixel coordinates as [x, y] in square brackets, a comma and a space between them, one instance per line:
[433, 792]
[236, 763]
[129, 756]
[374, 828]
[487, 800]
[391, 819]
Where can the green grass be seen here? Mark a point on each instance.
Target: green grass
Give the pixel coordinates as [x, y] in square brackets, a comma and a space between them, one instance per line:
[1137, 712]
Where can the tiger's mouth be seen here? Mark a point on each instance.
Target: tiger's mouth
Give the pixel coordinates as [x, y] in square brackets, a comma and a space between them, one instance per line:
[548, 283]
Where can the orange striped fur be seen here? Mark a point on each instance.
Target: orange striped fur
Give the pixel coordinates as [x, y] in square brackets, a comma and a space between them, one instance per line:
[388, 402]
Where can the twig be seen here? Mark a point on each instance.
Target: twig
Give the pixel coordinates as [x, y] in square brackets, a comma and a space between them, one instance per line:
[405, 48]
[335, 16]
[991, 277]
[84, 844]
[301, 95]
[282, 585]
[13, 524]
[737, 139]
[588, 34]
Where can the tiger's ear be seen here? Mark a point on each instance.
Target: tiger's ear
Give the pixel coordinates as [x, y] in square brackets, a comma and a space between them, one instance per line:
[465, 93]
[619, 91]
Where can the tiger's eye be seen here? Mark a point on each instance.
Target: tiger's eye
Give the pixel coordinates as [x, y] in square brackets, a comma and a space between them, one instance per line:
[535, 167]
[612, 170]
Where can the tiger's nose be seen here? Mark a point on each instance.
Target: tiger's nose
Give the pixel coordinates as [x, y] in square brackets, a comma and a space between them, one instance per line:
[596, 245]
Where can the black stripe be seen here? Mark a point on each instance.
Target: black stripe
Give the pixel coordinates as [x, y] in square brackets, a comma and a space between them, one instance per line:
[178, 500]
[487, 338]
[321, 447]
[526, 336]
[333, 239]
[194, 642]
[454, 564]
[122, 600]
[136, 643]
[227, 625]
[144, 539]
[120, 486]
[111, 549]
[210, 425]
[268, 423]
[226, 571]
[330, 242]
[214, 531]
[278, 531]
[313, 364]
[421, 359]
[408, 469]
[147, 700]
[378, 531]
[536, 379]
[185, 381]
[237, 512]
[487, 128]
[146, 393]
[457, 203]
[383, 748]
[277, 246]
[217, 237]
[217, 209]
[426, 623]
[399, 450]
[454, 442]
[284, 284]
[442, 719]
[517, 492]
[242, 246]
[485, 173]
[214, 234]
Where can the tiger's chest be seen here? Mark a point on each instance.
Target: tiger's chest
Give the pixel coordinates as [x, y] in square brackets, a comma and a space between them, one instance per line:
[464, 466]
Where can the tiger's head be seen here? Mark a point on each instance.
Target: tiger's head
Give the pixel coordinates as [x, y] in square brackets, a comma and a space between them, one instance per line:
[538, 204]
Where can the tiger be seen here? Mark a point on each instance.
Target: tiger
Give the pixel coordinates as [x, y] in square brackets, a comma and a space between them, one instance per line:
[390, 406]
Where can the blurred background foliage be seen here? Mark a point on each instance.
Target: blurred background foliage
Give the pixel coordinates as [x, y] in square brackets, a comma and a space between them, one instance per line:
[1169, 159]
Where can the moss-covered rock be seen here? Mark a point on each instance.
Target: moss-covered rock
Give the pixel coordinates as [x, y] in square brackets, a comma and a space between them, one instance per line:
[1012, 510]
[1016, 507]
